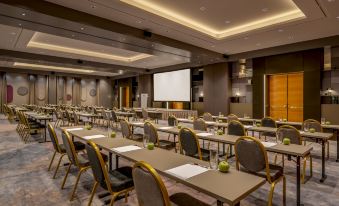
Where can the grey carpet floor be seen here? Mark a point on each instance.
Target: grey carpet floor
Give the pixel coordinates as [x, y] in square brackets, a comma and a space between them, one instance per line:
[24, 179]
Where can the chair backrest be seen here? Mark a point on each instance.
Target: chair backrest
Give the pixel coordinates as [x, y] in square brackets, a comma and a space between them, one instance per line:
[199, 124]
[125, 129]
[53, 137]
[172, 121]
[207, 116]
[76, 118]
[235, 128]
[98, 166]
[69, 146]
[149, 187]
[189, 143]
[232, 117]
[151, 132]
[312, 123]
[287, 131]
[144, 114]
[251, 155]
[114, 116]
[268, 122]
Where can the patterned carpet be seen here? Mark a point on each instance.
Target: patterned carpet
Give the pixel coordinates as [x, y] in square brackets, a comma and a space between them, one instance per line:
[24, 179]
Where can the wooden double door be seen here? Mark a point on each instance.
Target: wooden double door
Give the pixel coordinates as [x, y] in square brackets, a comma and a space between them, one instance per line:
[286, 96]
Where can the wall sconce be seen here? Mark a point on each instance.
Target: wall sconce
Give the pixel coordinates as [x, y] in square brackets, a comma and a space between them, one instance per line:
[201, 94]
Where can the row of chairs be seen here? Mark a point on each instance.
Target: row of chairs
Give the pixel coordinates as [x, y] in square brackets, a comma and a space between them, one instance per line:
[27, 127]
[119, 181]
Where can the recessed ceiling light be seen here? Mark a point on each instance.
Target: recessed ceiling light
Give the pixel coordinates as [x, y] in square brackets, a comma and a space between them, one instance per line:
[93, 6]
[264, 10]
[139, 21]
[280, 30]
[23, 14]
[121, 71]
[20, 24]
[82, 28]
[331, 0]
[337, 17]
[202, 8]
[227, 22]
[13, 33]
[246, 37]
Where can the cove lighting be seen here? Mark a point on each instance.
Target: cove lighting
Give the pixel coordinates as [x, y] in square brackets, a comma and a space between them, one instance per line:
[153, 8]
[59, 48]
[40, 66]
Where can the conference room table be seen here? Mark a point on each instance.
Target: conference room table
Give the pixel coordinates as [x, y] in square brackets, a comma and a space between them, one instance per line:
[334, 128]
[230, 187]
[222, 125]
[292, 150]
[41, 118]
[125, 114]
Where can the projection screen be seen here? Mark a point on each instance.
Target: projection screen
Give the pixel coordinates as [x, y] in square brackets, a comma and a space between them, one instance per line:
[172, 86]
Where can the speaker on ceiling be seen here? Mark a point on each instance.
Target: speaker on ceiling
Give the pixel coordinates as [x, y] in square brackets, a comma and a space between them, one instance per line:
[225, 56]
[147, 33]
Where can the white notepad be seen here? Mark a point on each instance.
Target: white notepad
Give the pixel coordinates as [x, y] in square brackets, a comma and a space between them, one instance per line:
[74, 129]
[186, 171]
[165, 127]
[209, 122]
[204, 134]
[138, 123]
[94, 136]
[126, 148]
[247, 126]
[269, 144]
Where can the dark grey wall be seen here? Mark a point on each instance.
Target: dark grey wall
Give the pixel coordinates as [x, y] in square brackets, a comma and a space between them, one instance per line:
[52, 88]
[217, 88]
[145, 85]
[105, 93]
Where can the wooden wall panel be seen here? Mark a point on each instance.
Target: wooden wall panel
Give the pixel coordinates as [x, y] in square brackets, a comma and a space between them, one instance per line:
[217, 88]
[277, 96]
[296, 97]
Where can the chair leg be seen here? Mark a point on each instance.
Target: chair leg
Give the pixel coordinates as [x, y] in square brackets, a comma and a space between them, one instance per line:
[328, 150]
[114, 196]
[270, 195]
[64, 181]
[284, 190]
[77, 181]
[93, 192]
[58, 165]
[50, 164]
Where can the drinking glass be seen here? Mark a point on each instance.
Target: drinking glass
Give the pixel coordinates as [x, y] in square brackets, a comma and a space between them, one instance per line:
[306, 127]
[109, 132]
[254, 123]
[213, 159]
[323, 120]
[145, 141]
[220, 114]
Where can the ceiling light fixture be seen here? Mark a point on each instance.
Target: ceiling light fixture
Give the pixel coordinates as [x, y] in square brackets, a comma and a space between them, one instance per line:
[149, 6]
[58, 68]
[23, 14]
[53, 47]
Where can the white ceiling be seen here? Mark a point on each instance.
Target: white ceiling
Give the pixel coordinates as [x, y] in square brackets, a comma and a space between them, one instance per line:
[322, 20]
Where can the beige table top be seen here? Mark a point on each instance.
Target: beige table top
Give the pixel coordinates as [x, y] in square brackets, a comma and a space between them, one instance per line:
[127, 114]
[208, 123]
[39, 116]
[314, 135]
[86, 114]
[213, 183]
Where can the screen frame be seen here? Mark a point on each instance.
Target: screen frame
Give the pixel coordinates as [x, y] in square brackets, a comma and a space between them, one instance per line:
[190, 71]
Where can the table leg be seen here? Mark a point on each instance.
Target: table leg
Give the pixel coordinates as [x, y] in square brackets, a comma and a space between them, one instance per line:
[45, 130]
[323, 171]
[298, 181]
[336, 133]
[219, 203]
[175, 144]
[116, 161]
[110, 161]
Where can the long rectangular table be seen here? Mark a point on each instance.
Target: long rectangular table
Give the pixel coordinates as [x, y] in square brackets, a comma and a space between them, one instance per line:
[41, 118]
[211, 182]
[297, 151]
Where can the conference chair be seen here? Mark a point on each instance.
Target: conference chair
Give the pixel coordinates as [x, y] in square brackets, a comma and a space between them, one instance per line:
[173, 122]
[144, 114]
[268, 122]
[189, 145]
[258, 164]
[207, 117]
[151, 190]
[294, 135]
[126, 131]
[151, 133]
[199, 124]
[77, 120]
[31, 128]
[80, 162]
[70, 118]
[235, 128]
[116, 182]
[60, 148]
[232, 117]
[311, 123]
[115, 120]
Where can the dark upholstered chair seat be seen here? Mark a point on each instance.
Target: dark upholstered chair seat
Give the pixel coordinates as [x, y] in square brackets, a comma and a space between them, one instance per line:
[205, 154]
[165, 144]
[121, 178]
[183, 199]
[269, 134]
[137, 137]
[77, 145]
[83, 160]
[36, 126]
[276, 171]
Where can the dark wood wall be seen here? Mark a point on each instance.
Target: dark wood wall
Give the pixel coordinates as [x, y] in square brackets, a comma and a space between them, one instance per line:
[310, 62]
[217, 88]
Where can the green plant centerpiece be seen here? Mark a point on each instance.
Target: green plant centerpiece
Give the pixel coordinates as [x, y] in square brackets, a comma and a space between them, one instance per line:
[88, 127]
[258, 124]
[150, 146]
[179, 126]
[113, 134]
[286, 141]
[220, 132]
[312, 130]
[328, 122]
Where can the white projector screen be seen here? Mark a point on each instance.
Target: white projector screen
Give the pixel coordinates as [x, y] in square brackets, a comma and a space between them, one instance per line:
[172, 86]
